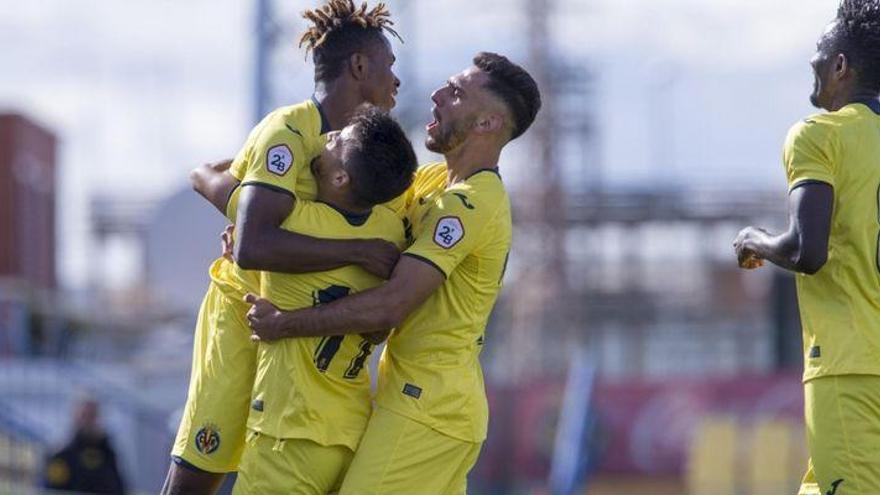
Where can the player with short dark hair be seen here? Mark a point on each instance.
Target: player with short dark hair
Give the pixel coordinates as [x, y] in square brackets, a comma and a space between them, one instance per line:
[381, 163]
[311, 397]
[832, 246]
[268, 177]
[431, 415]
[509, 83]
[514, 86]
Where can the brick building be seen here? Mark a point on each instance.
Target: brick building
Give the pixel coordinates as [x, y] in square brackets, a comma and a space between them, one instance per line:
[27, 201]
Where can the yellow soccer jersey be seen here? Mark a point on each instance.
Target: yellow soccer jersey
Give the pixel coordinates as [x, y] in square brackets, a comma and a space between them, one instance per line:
[840, 305]
[319, 388]
[277, 155]
[428, 183]
[430, 371]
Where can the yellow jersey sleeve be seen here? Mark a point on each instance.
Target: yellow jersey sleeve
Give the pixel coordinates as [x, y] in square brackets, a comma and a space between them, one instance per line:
[810, 153]
[454, 225]
[240, 162]
[278, 155]
[239, 167]
[232, 204]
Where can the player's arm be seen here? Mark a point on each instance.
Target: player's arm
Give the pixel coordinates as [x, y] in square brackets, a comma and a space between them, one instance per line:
[811, 150]
[214, 183]
[263, 245]
[803, 247]
[454, 227]
[266, 199]
[297, 253]
[372, 310]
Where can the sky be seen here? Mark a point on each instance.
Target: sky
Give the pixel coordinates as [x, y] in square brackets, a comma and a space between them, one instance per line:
[686, 93]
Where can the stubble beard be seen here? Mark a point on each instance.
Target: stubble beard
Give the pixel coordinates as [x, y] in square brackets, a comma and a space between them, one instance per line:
[450, 138]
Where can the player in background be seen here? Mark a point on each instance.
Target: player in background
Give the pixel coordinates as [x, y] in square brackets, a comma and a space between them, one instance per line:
[832, 163]
[431, 413]
[311, 397]
[353, 65]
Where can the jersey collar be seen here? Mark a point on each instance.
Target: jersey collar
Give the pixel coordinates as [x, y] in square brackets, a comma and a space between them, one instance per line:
[493, 170]
[325, 124]
[353, 219]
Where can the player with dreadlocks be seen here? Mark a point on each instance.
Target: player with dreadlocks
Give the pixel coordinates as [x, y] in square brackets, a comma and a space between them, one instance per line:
[272, 173]
[832, 247]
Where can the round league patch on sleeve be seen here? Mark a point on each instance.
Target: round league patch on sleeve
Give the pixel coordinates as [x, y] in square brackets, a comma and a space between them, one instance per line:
[448, 232]
[279, 159]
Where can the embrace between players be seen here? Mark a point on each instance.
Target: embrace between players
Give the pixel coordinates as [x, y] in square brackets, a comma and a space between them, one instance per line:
[325, 195]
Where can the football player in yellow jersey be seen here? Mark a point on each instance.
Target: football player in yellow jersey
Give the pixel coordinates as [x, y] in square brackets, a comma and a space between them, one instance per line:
[832, 163]
[431, 416]
[311, 397]
[353, 65]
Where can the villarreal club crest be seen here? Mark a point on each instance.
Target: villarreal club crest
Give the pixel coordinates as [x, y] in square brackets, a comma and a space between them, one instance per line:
[208, 439]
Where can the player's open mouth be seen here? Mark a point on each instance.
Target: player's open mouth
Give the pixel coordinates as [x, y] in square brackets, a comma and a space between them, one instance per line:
[434, 123]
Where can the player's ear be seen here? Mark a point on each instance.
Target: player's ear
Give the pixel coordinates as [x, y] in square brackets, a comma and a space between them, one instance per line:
[841, 64]
[489, 123]
[340, 178]
[358, 65]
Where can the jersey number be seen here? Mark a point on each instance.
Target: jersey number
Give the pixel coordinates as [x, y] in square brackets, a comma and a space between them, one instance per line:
[329, 346]
[357, 363]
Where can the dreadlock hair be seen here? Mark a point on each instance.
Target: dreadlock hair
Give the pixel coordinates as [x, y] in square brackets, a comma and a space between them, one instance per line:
[857, 34]
[338, 30]
[514, 86]
[381, 162]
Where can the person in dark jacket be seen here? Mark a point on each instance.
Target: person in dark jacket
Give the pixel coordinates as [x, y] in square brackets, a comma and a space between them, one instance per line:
[87, 464]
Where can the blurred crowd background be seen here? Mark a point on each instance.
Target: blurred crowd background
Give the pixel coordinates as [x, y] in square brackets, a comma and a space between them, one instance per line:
[627, 355]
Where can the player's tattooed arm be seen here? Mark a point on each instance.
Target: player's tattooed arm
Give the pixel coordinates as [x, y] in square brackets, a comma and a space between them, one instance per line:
[803, 247]
[376, 309]
[263, 245]
[213, 182]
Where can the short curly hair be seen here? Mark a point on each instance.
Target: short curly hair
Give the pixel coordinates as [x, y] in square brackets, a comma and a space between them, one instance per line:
[382, 162]
[338, 29]
[856, 34]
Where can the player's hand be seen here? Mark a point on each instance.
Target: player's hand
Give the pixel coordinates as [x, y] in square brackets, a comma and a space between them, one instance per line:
[227, 242]
[745, 255]
[378, 257]
[221, 165]
[264, 319]
[376, 338]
